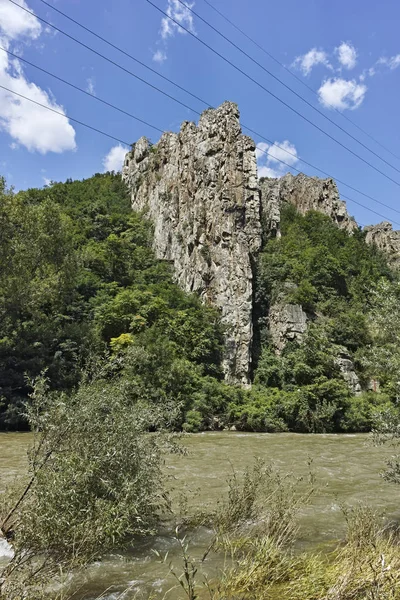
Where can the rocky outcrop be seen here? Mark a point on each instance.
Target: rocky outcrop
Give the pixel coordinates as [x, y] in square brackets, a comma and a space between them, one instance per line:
[386, 239]
[286, 323]
[347, 369]
[199, 187]
[305, 193]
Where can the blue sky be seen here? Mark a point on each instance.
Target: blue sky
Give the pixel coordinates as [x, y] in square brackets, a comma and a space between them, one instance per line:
[348, 51]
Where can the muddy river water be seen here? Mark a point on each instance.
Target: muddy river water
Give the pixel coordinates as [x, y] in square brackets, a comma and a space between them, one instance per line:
[347, 470]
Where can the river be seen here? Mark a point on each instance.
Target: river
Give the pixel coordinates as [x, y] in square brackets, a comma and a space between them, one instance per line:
[347, 471]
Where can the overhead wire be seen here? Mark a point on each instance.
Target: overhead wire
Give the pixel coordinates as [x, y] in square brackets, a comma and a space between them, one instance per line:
[119, 49]
[66, 116]
[57, 112]
[71, 37]
[76, 87]
[293, 74]
[186, 106]
[250, 78]
[285, 85]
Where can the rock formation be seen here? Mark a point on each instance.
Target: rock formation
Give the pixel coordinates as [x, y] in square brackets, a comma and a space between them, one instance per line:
[305, 193]
[386, 239]
[286, 323]
[200, 189]
[347, 369]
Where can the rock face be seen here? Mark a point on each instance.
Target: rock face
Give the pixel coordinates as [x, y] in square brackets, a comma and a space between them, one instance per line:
[305, 193]
[346, 367]
[200, 189]
[384, 238]
[286, 322]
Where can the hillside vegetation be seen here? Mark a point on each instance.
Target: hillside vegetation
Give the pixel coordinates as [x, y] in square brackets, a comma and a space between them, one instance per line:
[80, 289]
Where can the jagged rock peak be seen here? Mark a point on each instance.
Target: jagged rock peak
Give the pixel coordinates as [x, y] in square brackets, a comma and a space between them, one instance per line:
[305, 193]
[199, 188]
[386, 239]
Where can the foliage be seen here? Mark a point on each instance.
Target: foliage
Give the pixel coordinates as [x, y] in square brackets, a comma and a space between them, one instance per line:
[365, 567]
[79, 281]
[381, 359]
[94, 481]
[78, 276]
[342, 283]
[324, 269]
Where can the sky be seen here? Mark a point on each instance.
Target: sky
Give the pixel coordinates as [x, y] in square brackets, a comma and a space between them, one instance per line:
[347, 54]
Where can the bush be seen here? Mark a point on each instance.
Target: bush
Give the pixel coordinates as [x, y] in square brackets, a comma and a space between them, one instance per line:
[362, 411]
[95, 480]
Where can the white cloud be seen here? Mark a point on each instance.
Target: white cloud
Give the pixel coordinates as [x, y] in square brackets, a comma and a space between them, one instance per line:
[264, 171]
[261, 149]
[114, 160]
[47, 181]
[90, 86]
[29, 125]
[269, 158]
[283, 151]
[341, 93]
[347, 55]
[159, 56]
[16, 23]
[182, 15]
[393, 62]
[179, 13]
[313, 57]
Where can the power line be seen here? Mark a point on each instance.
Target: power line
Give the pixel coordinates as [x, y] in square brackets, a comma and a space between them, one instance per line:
[82, 90]
[354, 189]
[57, 112]
[103, 39]
[269, 92]
[179, 101]
[101, 55]
[190, 108]
[299, 79]
[285, 85]
[343, 196]
[66, 116]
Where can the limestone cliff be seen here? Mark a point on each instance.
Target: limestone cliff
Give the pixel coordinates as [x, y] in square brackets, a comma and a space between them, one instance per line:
[305, 193]
[386, 239]
[199, 188]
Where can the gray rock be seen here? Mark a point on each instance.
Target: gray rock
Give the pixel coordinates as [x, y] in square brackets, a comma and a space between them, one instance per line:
[346, 367]
[286, 322]
[200, 190]
[386, 239]
[305, 193]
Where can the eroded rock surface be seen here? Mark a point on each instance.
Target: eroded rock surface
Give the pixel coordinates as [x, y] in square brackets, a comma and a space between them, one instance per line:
[286, 323]
[200, 189]
[347, 369]
[386, 239]
[305, 193]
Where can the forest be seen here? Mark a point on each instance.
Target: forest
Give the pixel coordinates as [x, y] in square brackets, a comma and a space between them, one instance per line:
[80, 287]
